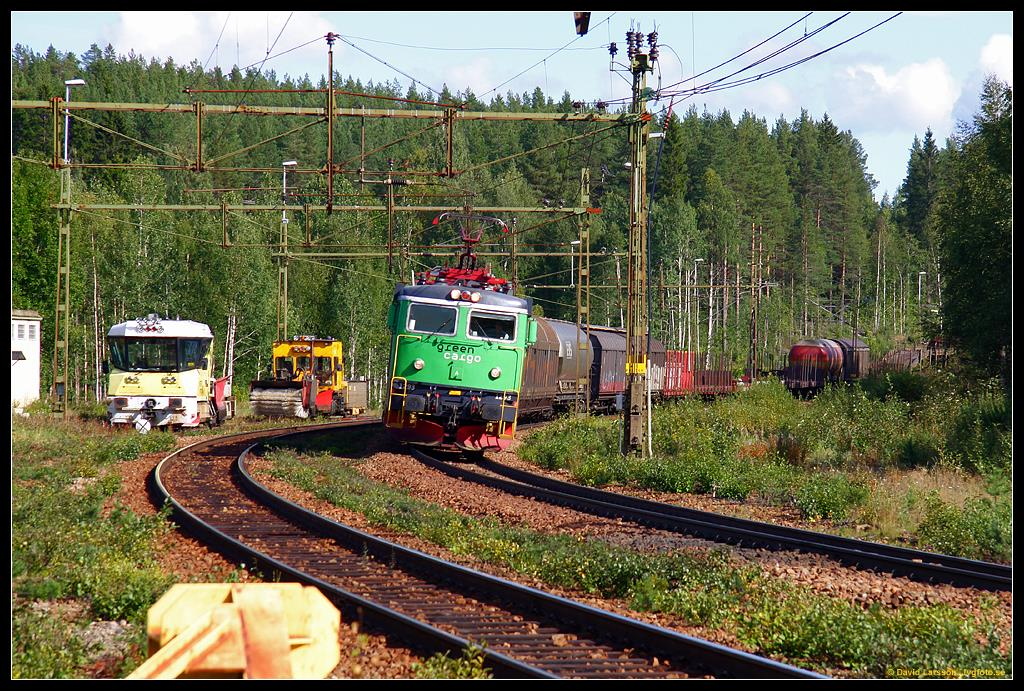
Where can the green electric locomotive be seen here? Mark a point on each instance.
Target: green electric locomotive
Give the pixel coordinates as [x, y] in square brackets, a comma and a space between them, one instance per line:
[458, 343]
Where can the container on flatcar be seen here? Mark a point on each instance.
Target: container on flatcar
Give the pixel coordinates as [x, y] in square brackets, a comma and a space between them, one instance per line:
[160, 374]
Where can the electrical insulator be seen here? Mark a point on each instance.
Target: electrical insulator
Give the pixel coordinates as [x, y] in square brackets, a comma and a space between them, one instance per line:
[652, 39]
[613, 49]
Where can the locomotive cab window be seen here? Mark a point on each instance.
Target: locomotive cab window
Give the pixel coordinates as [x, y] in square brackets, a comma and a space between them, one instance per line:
[432, 319]
[144, 354]
[493, 327]
[283, 367]
[191, 352]
[323, 367]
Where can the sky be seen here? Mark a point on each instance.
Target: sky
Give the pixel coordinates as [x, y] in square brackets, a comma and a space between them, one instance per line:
[917, 71]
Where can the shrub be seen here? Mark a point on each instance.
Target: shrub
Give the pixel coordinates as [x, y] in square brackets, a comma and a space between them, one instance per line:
[919, 448]
[829, 496]
[842, 426]
[43, 647]
[907, 386]
[982, 529]
[979, 438]
[440, 666]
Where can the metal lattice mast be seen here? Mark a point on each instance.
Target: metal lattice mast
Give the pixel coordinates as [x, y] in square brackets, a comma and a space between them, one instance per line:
[634, 428]
[61, 313]
[583, 297]
[447, 117]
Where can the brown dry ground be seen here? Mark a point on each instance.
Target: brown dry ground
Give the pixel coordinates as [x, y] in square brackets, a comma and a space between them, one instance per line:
[370, 655]
[390, 466]
[364, 654]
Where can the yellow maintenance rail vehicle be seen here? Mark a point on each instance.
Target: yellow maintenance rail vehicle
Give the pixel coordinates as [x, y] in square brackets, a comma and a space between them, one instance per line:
[307, 379]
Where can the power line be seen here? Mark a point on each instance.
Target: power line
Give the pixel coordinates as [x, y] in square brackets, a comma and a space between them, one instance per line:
[217, 43]
[739, 55]
[252, 80]
[775, 53]
[546, 58]
[299, 258]
[783, 68]
[284, 52]
[486, 49]
[763, 59]
[384, 62]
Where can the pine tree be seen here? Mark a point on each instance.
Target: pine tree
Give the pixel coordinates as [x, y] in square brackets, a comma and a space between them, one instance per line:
[976, 246]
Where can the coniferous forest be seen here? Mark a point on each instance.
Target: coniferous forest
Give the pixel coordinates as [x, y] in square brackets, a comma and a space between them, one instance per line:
[734, 194]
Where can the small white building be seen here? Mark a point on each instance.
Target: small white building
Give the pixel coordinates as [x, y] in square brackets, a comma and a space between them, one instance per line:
[25, 336]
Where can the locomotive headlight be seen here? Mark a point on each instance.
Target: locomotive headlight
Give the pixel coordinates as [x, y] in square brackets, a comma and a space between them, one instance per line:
[475, 297]
[418, 364]
[455, 294]
[495, 372]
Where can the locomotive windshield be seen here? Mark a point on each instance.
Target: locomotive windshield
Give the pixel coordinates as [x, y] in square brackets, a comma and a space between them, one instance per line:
[432, 319]
[157, 354]
[496, 327]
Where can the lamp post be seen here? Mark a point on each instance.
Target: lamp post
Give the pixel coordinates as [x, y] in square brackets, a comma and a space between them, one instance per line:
[285, 165]
[67, 122]
[572, 264]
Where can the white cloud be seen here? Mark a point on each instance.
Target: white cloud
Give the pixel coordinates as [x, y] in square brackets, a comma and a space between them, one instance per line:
[476, 74]
[997, 57]
[920, 95]
[767, 100]
[188, 36]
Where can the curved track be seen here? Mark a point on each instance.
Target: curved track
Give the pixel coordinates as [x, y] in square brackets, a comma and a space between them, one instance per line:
[434, 604]
[900, 561]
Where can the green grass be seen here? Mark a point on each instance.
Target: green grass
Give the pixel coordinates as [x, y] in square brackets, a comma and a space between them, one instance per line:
[773, 617]
[68, 541]
[833, 458]
[696, 450]
[43, 647]
[440, 666]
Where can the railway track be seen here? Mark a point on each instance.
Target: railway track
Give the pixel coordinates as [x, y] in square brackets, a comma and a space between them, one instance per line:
[900, 561]
[433, 604]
